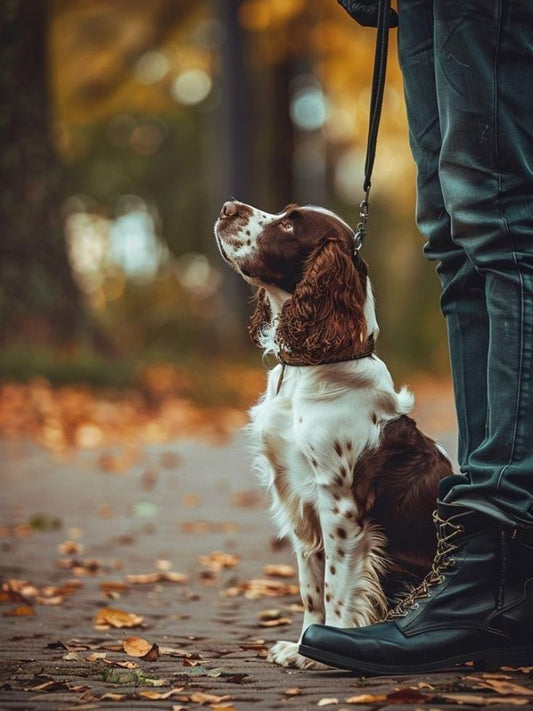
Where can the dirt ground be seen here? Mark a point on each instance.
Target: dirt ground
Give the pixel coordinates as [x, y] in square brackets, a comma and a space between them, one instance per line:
[165, 558]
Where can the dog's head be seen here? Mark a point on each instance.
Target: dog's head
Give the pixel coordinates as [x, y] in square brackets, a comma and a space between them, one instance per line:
[302, 261]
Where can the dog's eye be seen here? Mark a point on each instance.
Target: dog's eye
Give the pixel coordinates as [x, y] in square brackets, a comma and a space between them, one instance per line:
[287, 225]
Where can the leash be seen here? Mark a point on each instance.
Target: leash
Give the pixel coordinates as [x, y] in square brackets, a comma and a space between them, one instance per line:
[376, 103]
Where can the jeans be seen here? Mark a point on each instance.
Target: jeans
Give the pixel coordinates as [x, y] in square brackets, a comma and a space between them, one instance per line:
[468, 81]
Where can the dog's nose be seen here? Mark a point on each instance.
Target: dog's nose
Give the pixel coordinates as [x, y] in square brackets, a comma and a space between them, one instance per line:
[229, 209]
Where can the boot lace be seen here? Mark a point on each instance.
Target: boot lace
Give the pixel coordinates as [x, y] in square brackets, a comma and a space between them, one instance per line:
[446, 532]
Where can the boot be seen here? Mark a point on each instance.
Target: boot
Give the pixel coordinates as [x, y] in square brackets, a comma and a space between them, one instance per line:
[476, 604]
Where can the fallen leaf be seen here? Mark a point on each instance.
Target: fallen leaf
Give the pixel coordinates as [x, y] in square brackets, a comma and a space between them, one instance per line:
[112, 587]
[157, 577]
[258, 588]
[483, 701]
[270, 614]
[96, 656]
[111, 696]
[143, 579]
[20, 611]
[191, 663]
[366, 699]
[156, 695]
[278, 622]
[50, 601]
[200, 697]
[113, 617]
[247, 499]
[50, 685]
[71, 657]
[281, 571]
[293, 691]
[174, 652]
[70, 548]
[500, 686]
[170, 576]
[139, 647]
[217, 560]
[328, 702]
[122, 665]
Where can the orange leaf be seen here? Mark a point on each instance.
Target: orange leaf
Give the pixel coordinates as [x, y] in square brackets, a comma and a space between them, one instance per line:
[20, 611]
[155, 695]
[282, 571]
[113, 617]
[139, 647]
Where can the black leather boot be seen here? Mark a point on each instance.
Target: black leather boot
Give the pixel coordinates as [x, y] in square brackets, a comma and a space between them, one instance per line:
[476, 604]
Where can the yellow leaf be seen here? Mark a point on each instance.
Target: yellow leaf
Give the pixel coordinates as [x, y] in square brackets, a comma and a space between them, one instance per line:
[113, 617]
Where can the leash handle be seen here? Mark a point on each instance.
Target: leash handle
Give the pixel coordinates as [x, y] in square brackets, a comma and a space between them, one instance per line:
[376, 103]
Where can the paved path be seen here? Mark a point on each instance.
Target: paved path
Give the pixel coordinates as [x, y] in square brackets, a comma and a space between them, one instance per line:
[174, 504]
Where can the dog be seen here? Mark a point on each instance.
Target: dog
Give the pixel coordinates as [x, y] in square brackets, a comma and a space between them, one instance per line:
[353, 481]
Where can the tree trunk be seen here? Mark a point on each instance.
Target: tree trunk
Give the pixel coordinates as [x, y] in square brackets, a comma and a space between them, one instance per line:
[39, 300]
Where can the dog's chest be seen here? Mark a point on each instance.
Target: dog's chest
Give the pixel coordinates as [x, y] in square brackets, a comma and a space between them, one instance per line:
[278, 424]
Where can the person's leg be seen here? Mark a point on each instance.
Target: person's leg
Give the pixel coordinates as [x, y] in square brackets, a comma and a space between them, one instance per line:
[476, 602]
[484, 78]
[463, 293]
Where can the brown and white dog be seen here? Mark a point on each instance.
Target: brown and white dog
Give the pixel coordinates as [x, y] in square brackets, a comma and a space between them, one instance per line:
[353, 481]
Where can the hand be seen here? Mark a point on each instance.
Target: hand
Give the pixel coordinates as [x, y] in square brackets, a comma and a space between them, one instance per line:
[365, 12]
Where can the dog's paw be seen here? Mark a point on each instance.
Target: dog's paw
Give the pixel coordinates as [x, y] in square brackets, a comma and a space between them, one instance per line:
[286, 655]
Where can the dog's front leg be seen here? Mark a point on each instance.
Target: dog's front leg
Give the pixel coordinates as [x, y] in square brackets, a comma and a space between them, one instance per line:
[353, 594]
[311, 582]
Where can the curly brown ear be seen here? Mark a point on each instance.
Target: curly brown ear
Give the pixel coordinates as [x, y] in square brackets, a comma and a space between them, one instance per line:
[324, 319]
[261, 316]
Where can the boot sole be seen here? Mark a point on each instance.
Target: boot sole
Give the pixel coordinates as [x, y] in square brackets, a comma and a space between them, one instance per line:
[483, 661]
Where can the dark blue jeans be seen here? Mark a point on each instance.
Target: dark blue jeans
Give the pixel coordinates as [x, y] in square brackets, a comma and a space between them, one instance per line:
[468, 77]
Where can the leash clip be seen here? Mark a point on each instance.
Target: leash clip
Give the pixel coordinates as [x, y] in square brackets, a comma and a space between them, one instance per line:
[360, 233]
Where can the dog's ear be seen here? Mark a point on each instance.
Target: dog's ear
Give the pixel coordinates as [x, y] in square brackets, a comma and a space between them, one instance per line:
[261, 316]
[324, 319]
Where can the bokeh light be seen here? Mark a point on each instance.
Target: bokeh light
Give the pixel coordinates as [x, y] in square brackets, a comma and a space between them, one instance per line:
[191, 87]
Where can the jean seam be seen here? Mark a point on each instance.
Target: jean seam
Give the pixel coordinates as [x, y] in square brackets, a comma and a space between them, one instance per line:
[513, 250]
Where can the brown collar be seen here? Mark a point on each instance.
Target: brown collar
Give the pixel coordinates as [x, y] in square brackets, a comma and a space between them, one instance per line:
[286, 359]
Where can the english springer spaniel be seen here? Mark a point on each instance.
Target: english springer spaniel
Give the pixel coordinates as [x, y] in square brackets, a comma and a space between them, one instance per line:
[353, 480]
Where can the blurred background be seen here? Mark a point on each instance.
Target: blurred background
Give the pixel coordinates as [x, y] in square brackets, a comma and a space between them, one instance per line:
[125, 125]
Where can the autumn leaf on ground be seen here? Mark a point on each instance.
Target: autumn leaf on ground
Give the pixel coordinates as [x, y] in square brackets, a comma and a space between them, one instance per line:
[157, 695]
[293, 691]
[200, 697]
[499, 685]
[366, 699]
[70, 548]
[259, 646]
[139, 647]
[281, 571]
[480, 700]
[273, 618]
[258, 588]
[112, 696]
[328, 702]
[157, 577]
[50, 601]
[217, 560]
[20, 611]
[113, 617]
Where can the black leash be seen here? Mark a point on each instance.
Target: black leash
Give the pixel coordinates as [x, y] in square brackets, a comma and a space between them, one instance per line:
[376, 103]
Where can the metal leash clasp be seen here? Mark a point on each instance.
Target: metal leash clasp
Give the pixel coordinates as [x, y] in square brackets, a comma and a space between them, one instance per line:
[360, 233]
